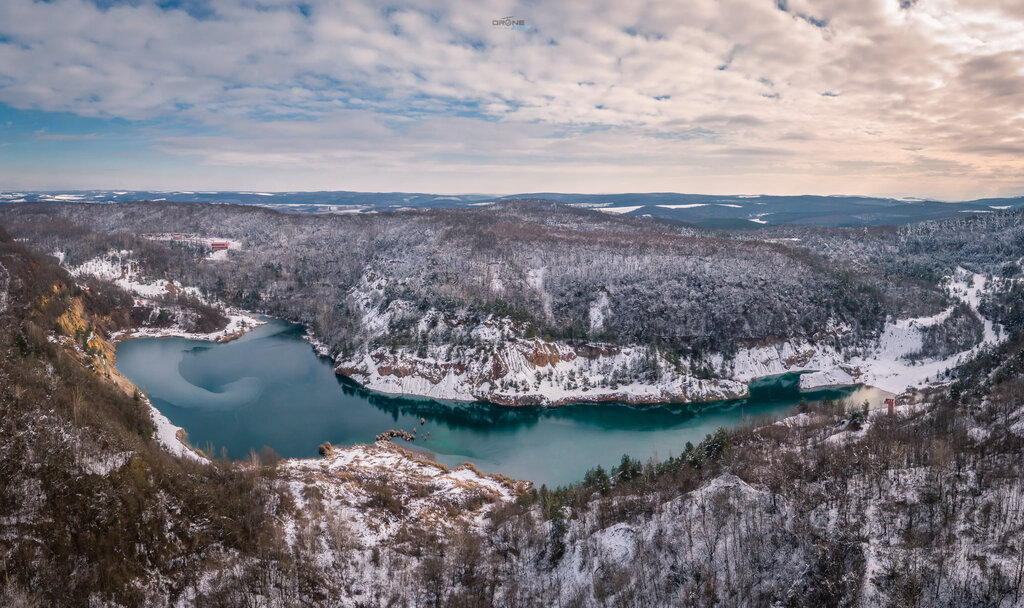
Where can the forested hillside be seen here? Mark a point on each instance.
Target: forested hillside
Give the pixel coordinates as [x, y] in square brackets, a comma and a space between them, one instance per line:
[537, 262]
[534, 302]
[832, 507]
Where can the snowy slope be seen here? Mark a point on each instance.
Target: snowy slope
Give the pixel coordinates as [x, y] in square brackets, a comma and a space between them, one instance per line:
[511, 370]
[121, 268]
[888, 365]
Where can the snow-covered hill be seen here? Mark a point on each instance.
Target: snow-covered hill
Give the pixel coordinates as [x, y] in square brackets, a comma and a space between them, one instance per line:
[501, 367]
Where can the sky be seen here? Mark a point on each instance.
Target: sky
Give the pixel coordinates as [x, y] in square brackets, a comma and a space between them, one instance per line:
[917, 98]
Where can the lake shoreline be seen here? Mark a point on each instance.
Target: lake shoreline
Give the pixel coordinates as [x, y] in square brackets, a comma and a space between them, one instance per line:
[246, 322]
[240, 396]
[239, 323]
[638, 404]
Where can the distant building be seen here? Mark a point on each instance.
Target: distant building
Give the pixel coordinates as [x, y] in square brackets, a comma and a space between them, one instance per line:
[219, 245]
[890, 404]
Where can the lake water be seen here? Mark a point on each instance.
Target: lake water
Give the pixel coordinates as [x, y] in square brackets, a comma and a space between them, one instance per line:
[270, 388]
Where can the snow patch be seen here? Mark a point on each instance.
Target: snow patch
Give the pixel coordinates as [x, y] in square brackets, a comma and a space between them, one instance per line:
[169, 435]
[5, 287]
[99, 464]
[620, 210]
[535, 278]
[599, 311]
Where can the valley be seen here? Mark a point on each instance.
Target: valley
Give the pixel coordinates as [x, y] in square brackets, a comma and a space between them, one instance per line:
[456, 305]
[349, 304]
[551, 359]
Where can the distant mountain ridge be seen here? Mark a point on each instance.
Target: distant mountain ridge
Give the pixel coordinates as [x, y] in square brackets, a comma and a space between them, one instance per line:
[705, 210]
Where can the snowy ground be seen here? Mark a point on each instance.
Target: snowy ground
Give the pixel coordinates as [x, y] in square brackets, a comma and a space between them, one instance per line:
[120, 268]
[238, 323]
[354, 480]
[170, 435]
[888, 367]
[533, 372]
[516, 372]
[321, 349]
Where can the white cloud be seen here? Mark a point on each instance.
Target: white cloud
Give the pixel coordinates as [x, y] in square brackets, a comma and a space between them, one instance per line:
[826, 96]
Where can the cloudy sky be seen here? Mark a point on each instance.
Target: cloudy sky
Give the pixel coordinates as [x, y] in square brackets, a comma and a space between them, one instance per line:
[884, 97]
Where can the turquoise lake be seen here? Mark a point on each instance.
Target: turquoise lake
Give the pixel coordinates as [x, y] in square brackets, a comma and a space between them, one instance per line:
[270, 388]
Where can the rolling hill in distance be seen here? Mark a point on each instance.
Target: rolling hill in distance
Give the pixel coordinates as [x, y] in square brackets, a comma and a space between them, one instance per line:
[705, 210]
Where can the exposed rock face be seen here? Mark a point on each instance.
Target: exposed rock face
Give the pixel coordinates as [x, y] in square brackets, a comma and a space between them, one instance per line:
[800, 358]
[83, 343]
[545, 353]
[392, 365]
[535, 372]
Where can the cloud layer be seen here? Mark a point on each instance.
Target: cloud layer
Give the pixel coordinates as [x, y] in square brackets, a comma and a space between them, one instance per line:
[771, 96]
